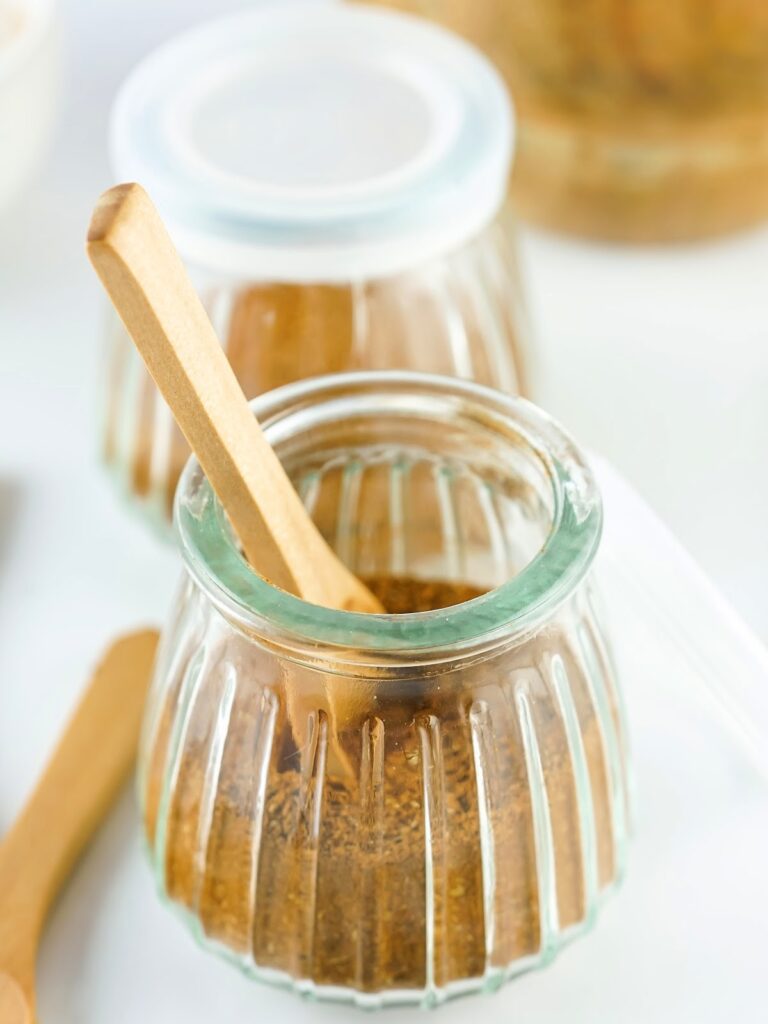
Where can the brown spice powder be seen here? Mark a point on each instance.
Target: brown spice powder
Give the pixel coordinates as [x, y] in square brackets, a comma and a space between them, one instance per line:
[329, 879]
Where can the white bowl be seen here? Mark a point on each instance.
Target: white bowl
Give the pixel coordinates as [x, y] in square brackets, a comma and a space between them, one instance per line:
[29, 69]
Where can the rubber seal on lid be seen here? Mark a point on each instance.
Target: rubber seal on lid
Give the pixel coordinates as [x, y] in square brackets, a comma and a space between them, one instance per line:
[311, 142]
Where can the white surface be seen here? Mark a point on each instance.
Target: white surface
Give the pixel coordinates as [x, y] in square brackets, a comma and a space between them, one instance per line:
[334, 143]
[658, 358]
[682, 940]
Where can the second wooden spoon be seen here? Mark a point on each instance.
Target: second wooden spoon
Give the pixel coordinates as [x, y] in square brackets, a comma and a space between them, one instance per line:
[90, 763]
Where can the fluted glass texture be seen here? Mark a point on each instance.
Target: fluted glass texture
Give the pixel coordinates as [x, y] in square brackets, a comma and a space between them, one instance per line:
[394, 809]
[460, 314]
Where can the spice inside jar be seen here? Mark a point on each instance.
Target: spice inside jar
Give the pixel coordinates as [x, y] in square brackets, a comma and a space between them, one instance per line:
[386, 794]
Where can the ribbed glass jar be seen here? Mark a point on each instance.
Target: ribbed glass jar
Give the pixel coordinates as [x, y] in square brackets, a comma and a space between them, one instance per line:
[336, 213]
[393, 808]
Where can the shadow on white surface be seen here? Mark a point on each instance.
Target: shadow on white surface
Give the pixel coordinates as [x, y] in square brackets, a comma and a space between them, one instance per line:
[11, 503]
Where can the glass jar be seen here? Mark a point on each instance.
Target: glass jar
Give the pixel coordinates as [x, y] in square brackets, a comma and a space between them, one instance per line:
[638, 121]
[335, 214]
[393, 808]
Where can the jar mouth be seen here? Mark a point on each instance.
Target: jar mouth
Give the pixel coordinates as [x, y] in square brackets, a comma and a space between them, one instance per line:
[507, 612]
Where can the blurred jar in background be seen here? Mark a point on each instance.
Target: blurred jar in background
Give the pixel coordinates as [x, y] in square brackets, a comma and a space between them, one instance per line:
[639, 119]
[336, 213]
[29, 83]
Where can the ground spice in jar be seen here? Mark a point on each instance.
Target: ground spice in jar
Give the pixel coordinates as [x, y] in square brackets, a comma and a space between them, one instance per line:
[376, 880]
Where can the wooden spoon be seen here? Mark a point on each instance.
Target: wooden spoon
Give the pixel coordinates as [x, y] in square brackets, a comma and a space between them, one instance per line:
[87, 768]
[149, 287]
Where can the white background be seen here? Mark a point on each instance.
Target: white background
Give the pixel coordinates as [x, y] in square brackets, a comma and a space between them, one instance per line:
[658, 358]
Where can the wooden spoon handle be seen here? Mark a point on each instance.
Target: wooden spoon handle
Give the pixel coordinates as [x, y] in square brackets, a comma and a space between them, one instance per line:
[140, 269]
[90, 763]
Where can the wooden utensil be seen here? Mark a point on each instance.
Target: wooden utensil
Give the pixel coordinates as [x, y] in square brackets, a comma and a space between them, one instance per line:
[149, 287]
[87, 768]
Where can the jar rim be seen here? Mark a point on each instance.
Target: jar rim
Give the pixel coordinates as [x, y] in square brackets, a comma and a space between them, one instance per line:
[511, 610]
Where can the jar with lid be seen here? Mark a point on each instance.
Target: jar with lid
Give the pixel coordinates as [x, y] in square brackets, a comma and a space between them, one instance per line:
[638, 121]
[335, 179]
[393, 808]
